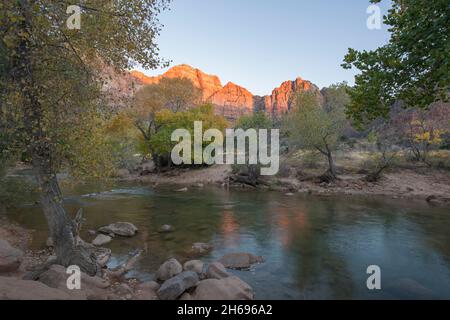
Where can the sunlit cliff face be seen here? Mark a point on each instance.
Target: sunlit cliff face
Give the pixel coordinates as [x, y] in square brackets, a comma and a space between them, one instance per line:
[233, 100]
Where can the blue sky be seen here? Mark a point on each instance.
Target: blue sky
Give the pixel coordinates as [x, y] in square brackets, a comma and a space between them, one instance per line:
[260, 43]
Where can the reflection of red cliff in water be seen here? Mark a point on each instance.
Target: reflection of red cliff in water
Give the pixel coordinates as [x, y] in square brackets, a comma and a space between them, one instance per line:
[290, 224]
[230, 227]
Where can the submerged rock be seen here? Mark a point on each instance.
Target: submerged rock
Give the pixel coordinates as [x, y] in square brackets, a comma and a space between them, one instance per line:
[230, 288]
[166, 228]
[168, 269]
[10, 257]
[124, 229]
[176, 286]
[240, 260]
[201, 248]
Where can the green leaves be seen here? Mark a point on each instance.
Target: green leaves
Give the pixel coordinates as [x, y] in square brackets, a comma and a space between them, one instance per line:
[412, 67]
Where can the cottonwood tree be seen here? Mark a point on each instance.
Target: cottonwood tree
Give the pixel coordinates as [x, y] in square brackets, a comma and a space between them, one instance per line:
[49, 78]
[173, 94]
[311, 126]
[412, 67]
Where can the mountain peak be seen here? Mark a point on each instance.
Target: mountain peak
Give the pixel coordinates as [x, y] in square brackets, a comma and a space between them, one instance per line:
[232, 99]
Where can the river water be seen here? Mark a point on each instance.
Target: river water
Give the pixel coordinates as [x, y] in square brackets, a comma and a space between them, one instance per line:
[314, 247]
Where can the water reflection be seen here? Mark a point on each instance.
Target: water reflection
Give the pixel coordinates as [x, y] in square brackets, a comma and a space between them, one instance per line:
[314, 247]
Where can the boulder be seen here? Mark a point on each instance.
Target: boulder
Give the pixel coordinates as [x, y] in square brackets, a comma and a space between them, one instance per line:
[216, 270]
[176, 286]
[10, 257]
[124, 229]
[168, 269]
[186, 296]
[149, 285]
[91, 287]
[101, 240]
[201, 248]
[16, 289]
[145, 293]
[166, 228]
[240, 260]
[230, 288]
[194, 265]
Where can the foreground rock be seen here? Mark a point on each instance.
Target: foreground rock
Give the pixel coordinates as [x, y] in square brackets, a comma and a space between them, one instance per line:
[16, 289]
[230, 288]
[168, 269]
[124, 229]
[10, 257]
[101, 240]
[91, 287]
[194, 265]
[176, 286]
[240, 260]
[216, 270]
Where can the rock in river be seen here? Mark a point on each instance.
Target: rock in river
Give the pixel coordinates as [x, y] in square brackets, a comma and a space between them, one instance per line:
[230, 288]
[176, 286]
[201, 248]
[10, 257]
[124, 229]
[166, 228]
[101, 239]
[168, 269]
[240, 260]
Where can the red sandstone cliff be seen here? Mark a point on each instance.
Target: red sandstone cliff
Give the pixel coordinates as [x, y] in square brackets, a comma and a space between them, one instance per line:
[233, 100]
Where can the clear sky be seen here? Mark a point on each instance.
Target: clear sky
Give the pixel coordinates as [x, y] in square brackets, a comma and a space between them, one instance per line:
[260, 43]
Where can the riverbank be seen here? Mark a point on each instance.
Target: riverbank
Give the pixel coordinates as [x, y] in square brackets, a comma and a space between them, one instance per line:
[427, 184]
[194, 280]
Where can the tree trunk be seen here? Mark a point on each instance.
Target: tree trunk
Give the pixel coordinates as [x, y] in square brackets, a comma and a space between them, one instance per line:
[62, 229]
[331, 166]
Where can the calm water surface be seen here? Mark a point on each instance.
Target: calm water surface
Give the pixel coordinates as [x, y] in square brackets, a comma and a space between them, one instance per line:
[315, 248]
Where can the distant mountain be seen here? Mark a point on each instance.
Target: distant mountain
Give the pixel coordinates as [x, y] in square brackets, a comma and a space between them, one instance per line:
[231, 100]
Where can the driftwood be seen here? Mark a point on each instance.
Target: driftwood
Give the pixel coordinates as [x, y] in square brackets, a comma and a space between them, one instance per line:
[121, 270]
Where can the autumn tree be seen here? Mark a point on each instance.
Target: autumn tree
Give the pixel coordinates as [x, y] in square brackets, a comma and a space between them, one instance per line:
[312, 126]
[49, 79]
[413, 67]
[172, 94]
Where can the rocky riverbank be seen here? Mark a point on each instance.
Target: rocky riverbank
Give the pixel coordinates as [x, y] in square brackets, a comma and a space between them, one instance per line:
[194, 280]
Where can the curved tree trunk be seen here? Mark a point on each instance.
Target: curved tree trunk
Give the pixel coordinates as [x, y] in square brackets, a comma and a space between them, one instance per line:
[61, 227]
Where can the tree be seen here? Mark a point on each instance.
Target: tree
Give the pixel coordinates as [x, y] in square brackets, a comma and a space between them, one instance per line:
[413, 67]
[311, 126]
[167, 121]
[49, 79]
[173, 94]
[249, 173]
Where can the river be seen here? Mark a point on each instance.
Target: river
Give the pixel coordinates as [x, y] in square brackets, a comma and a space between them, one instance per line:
[314, 247]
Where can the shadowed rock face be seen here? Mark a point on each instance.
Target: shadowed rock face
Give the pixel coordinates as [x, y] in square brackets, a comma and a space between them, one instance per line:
[232, 100]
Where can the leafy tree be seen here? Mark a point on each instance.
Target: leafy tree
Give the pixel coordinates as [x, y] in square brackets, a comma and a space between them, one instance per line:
[173, 94]
[413, 67]
[250, 173]
[167, 121]
[50, 83]
[311, 126]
